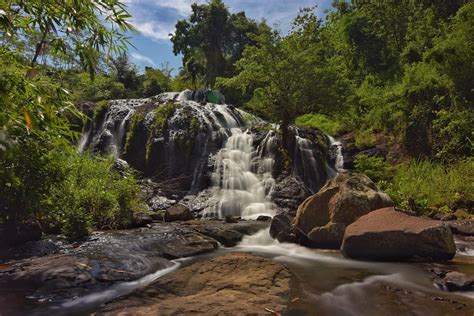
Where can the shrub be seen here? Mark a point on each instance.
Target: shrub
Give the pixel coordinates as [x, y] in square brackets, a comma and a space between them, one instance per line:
[320, 121]
[374, 167]
[428, 184]
[93, 195]
[364, 139]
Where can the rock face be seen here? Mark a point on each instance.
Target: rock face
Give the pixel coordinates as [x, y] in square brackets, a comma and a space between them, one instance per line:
[387, 234]
[233, 284]
[178, 212]
[321, 219]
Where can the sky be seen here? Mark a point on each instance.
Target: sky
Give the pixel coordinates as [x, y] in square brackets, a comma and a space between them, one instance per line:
[156, 19]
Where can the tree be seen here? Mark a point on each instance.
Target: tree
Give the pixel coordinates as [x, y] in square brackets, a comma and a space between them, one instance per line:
[68, 28]
[126, 73]
[35, 109]
[287, 76]
[215, 33]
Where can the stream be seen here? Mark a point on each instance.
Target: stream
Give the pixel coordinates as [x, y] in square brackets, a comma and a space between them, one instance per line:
[323, 282]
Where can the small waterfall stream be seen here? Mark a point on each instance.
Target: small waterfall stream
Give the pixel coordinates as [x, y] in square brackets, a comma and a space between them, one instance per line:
[239, 190]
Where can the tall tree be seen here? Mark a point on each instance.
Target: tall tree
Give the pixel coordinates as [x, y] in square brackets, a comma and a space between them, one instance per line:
[214, 32]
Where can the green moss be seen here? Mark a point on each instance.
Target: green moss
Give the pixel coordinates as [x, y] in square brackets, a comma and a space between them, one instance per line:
[160, 123]
[100, 108]
[162, 114]
[135, 123]
[195, 126]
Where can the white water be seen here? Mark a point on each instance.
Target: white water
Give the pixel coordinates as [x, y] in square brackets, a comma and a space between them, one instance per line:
[339, 164]
[239, 190]
[93, 300]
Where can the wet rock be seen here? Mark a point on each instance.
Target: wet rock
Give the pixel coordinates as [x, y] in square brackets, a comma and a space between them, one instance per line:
[230, 219]
[263, 218]
[328, 236]
[462, 227]
[341, 201]
[288, 193]
[436, 215]
[178, 212]
[449, 217]
[158, 216]
[455, 281]
[387, 234]
[212, 287]
[280, 227]
[188, 245]
[141, 219]
[228, 234]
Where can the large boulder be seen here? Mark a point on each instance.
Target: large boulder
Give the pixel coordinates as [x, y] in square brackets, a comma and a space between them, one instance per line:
[321, 219]
[178, 212]
[232, 284]
[388, 234]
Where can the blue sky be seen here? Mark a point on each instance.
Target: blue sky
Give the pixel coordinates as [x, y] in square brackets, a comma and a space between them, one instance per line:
[155, 20]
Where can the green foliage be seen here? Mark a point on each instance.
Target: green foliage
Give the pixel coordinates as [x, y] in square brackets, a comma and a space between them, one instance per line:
[212, 40]
[27, 174]
[374, 167]
[364, 139]
[162, 114]
[286, 76]
[73, 30]
[101, 87]
[324, 123]
[93, 195]
[429, 184]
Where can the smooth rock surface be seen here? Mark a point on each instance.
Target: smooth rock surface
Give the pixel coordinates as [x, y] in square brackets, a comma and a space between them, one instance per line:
[178, 212]
[341, 201]
[232, 284]
[387, 234]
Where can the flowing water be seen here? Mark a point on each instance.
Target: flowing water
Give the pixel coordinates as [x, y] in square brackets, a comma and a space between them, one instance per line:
[324, 282]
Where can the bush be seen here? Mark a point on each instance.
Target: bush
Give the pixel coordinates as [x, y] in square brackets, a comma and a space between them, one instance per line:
[428, 184]
[93, 195]
[364, 139]
[374, 167]
[320, 121]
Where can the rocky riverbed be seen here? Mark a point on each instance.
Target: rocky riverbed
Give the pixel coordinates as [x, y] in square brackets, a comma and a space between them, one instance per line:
[136, 272]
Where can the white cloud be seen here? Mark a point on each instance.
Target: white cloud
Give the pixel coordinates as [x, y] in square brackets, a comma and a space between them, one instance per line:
[141, 59]
[154, 29]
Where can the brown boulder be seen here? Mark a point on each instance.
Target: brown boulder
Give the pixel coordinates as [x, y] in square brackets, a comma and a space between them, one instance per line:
[387, 234]
[456, 281]
[212, 287]
[323, 216]
[178, 212]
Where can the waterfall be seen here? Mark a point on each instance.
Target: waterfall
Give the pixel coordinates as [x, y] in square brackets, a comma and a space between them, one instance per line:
[339, 158]
[239, 190]
[231, 156]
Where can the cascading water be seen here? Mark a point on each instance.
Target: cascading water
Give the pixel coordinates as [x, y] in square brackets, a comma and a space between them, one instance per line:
[239, 190]
[339, 158]
[214, 148]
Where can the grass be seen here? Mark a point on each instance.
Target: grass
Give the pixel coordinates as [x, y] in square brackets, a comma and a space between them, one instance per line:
[434, 185]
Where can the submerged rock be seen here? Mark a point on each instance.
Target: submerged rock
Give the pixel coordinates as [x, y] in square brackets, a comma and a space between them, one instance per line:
[387, 234]
[232, 284]
[321, 219]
